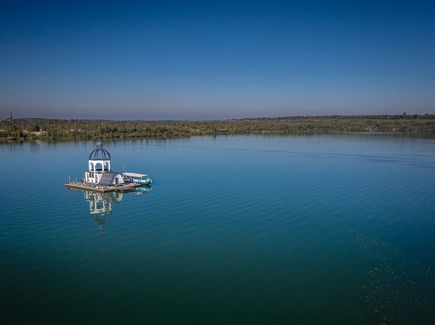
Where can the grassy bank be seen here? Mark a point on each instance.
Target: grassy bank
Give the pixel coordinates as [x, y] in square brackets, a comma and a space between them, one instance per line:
[50, 129]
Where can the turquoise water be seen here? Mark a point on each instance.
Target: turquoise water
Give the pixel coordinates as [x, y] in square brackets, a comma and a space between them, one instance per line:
[244, 229]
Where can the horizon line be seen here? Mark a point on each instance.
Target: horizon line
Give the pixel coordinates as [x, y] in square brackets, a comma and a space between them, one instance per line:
[404, 114]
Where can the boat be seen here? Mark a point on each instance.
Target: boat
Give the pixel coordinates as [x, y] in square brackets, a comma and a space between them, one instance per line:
[142, 179]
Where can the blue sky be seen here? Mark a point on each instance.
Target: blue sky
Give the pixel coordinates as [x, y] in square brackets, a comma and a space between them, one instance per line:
[215, 59]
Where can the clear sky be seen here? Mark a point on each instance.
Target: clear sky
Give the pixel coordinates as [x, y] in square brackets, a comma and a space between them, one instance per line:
[215, 59]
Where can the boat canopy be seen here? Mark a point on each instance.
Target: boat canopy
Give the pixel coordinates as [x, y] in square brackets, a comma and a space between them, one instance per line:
[135, 175]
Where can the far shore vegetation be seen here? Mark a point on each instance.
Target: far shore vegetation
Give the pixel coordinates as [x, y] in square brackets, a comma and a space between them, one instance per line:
[20, 130]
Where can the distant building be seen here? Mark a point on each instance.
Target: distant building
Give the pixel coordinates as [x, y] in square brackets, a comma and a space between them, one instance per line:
[99, 170]
[9, 119]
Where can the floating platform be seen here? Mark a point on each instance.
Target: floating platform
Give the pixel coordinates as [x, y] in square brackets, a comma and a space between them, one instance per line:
[98, 188]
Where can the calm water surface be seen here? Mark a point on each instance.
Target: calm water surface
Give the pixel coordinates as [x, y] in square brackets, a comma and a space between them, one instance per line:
[326, 229]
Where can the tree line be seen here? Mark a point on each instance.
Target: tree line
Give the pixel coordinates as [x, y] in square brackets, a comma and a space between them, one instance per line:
[54, 129]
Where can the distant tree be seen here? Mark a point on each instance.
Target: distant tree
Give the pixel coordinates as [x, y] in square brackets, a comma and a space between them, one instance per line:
[36, 128]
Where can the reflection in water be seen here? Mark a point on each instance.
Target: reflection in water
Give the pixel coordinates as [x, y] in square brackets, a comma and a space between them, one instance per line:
[100, 204]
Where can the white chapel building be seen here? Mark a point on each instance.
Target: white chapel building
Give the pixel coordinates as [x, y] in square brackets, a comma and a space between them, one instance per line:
[99, 170]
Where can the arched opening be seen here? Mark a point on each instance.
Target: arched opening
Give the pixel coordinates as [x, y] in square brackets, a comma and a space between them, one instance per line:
[106, 166]
[98, 167]
[91, 167]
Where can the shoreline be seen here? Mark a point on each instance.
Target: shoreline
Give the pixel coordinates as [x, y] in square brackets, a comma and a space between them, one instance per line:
[25, 130]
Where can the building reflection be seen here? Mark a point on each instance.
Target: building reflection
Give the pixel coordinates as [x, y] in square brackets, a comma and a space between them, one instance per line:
[101, 204]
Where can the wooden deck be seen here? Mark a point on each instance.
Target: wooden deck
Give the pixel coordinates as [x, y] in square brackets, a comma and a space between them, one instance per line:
[97, 188]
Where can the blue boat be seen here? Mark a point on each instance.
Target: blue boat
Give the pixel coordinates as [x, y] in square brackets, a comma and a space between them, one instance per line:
[142, 179]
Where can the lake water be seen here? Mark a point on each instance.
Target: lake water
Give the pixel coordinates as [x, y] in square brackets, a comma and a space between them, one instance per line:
[243, 229]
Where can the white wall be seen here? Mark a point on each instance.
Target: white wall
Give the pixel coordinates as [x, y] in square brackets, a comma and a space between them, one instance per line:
[93, 165]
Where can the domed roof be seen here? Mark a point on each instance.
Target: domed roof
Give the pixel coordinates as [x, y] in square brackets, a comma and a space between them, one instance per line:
[99, 153]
